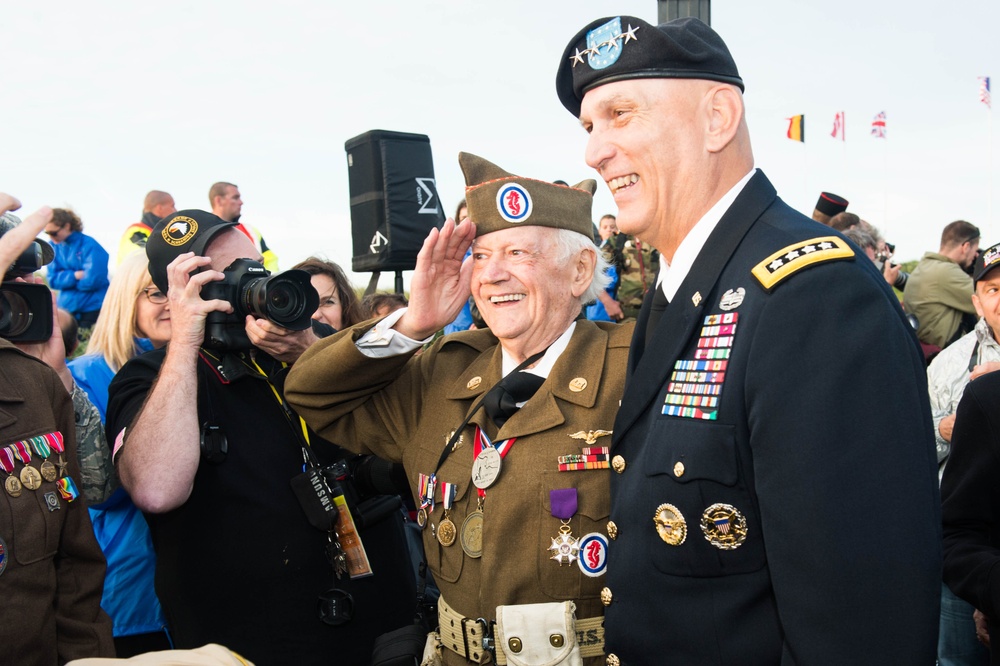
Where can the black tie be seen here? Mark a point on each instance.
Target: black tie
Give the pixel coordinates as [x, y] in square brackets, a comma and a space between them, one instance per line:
[501, 401]
[659, 305]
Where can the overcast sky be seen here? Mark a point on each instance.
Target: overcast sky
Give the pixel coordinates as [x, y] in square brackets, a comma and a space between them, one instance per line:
[104, 101]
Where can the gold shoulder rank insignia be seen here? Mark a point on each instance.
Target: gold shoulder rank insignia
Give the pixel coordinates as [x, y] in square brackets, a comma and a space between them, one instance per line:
[590, 436]
[797, 256]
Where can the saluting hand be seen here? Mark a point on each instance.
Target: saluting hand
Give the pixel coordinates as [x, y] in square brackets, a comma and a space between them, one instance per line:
[440, 284]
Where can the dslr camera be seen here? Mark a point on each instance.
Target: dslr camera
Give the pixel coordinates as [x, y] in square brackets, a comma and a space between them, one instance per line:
[288, 299]
[25, 308]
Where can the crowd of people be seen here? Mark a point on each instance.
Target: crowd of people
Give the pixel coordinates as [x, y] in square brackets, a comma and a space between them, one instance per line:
[639, 440]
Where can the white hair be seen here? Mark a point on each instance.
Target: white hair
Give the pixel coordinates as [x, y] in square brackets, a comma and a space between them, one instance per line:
[570, 244]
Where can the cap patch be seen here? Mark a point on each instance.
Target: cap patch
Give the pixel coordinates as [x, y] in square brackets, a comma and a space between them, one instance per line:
[180, 231]
[514, 203]
[603, 49]
[991, 256]
[789, 260]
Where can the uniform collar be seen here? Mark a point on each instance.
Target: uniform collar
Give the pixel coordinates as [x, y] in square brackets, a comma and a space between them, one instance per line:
[672, 275]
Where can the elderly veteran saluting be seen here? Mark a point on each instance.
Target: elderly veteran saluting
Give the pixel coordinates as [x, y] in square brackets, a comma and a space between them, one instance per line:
[774, 469]
[513, 501]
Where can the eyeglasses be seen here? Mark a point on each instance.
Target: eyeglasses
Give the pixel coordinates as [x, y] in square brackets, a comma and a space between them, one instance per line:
[155, 296]
[53, 234]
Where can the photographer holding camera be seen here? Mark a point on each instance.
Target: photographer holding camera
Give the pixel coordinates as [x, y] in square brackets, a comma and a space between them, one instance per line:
[207, 447]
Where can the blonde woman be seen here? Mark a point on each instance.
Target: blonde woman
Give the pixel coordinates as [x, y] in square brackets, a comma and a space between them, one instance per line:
[135, 319]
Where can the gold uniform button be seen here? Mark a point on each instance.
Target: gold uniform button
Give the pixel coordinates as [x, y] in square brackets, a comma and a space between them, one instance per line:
[578, 384]
[618, 463]
[679, 469]
[514, 645]
[606, 596]
[613, 660]
[556, 640]
[612, 530]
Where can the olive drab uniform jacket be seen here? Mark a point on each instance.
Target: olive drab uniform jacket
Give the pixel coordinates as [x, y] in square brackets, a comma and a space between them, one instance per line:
[405, 408]
[51, 568]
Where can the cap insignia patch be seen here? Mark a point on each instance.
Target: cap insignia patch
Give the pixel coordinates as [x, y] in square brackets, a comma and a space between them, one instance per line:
[180, 231]
[514, 203]
[603, 49]
[793, 258]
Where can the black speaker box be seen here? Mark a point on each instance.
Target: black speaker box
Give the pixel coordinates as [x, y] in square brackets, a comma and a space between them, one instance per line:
[394, 199]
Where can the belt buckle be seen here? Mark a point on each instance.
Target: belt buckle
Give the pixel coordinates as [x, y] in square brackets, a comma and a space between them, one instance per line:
[489, 644]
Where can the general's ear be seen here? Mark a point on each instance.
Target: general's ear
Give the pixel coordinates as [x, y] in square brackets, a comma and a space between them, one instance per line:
[725, 109]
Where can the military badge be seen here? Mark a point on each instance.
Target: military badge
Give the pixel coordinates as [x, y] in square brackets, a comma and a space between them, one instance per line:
[514, 203]
[591, 436]
[592, 556]
[472, 533]
[695, 386]
[603, 44]
[563, 505]
[52, 501]
[724, 526]
[732, 299]
[670, 524]
[791, 259]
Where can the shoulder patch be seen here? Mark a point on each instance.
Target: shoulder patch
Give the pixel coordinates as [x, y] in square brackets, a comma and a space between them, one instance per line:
[793, 258]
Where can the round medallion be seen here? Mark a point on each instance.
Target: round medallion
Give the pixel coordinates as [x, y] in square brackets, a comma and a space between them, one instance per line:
[618, 464]
[724, 526]
[486, 467]
[13, 486]
[30, 477]
[670, 524]
[472, 534]
[49, 472]
[474, 383]
[446, 532]
[592, 558]
[422, 518]
[577, 385]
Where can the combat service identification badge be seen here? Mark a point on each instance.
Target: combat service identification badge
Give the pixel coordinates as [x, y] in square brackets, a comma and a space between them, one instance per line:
[724, 526]
[592, 556]
[670, 524]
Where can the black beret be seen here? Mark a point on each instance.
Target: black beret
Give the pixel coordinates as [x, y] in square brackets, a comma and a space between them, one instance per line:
[625, 47]
[830, 204]
[184, 231]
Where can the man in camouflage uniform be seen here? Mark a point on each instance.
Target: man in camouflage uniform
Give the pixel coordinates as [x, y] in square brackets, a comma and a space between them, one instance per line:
[639, 264]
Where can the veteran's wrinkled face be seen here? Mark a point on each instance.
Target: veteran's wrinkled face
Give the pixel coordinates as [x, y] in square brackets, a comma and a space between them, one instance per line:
[525, 286]
[647, 143]
[987, 299]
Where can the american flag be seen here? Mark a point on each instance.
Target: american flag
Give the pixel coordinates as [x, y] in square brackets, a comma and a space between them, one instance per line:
[838, 126]
[878, 126]
[984, 91]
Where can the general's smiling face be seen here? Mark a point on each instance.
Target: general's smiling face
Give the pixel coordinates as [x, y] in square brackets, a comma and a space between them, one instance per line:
[646, 142]
[526, 290]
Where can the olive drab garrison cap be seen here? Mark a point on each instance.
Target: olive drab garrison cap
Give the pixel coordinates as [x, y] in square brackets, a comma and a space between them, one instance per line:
[500, 200]
[180, 232]
[625, 47]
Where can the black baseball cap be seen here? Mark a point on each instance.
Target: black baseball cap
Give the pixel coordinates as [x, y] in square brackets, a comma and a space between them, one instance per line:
[183, 231]
[987, 260]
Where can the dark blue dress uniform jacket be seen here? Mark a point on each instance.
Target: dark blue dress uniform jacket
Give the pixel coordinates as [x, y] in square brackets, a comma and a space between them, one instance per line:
[822, 440]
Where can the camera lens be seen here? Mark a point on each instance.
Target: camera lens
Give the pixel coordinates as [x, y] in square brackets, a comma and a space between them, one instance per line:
[15, 314]
[288, 299]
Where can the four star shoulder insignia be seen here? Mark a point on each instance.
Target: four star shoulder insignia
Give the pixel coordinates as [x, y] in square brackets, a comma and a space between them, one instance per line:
[789, 260]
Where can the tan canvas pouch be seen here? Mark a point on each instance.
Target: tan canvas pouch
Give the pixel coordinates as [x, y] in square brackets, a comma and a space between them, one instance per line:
[432, 651]
[538, 635]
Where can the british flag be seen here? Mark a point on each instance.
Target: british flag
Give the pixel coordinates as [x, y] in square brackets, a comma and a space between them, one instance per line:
[878, 126]
[984, 91]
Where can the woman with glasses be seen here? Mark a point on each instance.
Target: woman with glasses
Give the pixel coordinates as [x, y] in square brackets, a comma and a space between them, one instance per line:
[135, 319]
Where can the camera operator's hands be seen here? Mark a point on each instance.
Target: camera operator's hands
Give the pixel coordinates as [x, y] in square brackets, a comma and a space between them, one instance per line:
[8, 203]
[188, 309]
[17, 240]
[440, 286]
[280, 343]
[890, 272]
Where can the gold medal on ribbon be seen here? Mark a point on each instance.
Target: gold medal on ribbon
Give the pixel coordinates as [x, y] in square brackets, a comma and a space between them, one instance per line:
[49, 472]
[472, 534]
[30, 477]
[13, 486]
[724, 526]
[446, 530]
[670, 524]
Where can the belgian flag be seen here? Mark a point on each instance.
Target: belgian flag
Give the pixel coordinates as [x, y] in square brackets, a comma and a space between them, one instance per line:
[797, 128]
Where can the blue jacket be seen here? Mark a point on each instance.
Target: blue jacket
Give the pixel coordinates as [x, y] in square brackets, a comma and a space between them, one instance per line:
[79, 252]
[121, 530]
